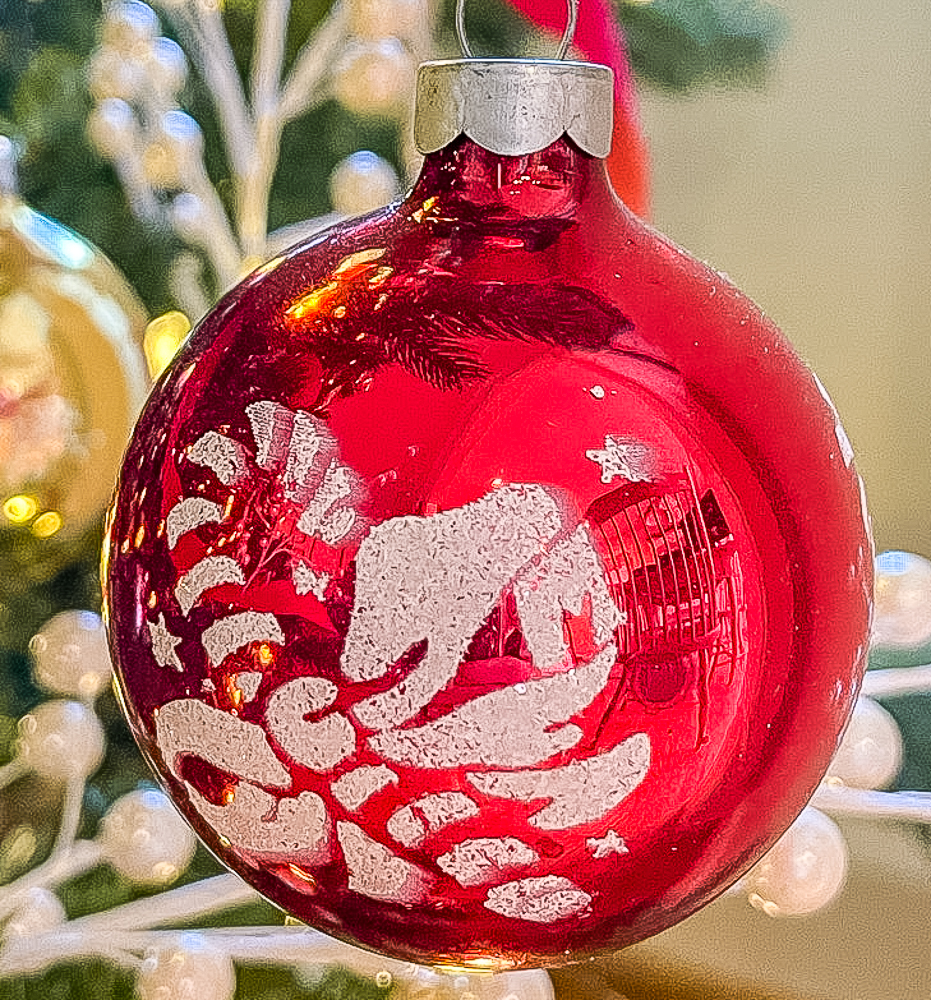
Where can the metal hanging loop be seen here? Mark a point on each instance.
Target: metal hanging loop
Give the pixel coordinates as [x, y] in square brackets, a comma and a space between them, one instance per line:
[572, 17]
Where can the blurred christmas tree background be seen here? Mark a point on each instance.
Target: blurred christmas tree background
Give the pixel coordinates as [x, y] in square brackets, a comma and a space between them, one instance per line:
[51, 92]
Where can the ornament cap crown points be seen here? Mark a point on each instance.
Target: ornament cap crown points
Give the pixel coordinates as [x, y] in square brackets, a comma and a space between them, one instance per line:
[514, 107]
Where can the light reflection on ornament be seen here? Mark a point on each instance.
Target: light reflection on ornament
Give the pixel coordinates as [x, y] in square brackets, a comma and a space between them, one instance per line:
[163, 336]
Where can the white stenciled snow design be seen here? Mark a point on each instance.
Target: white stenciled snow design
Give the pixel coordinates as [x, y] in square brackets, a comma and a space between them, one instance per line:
[559, 583]
[512, 727]
[356, 787]
[164, 644]
[542, 900]
[413, 823]
[431, 580]
[229, 634]
[611, 843]
[578, 792]
[213, 571]
[221, 454]
[482, 860]
[437, 578]
[188, 514]
[256, 821]
[624, 457]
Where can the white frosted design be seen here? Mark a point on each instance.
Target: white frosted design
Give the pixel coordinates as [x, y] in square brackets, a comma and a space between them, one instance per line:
[610, 843]
[475, 862]
[307, 438]
[375, 871]
[356, 787]
[229, 634]
[437, 578]
[262, 417]
[188, 514]
[579, 792]
[326, 515]
[307, 581]
[406, 827]
[542, 900]
[164, 644]
[625, 457]
[221, 454]
[255, 821]
[189, 726]
[248, 683]
[411, 824]
[559, 583]
[205, 575]
[320, 744]
[515, 726]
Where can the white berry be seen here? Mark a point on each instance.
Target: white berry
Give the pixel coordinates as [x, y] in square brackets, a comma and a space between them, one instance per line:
[40, 911]
[361, 183]
[61, 740]
[192, 970]
[902, 592]
[371, 77]
[870, 753]
[803, 872]
[70, 655]
[145, 839]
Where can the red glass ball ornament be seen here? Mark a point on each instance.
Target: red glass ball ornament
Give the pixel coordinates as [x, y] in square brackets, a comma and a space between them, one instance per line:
[488, 580]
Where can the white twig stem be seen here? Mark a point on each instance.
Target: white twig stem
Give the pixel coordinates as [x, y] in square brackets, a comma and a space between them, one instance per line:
[202, 24]
[70, 817]
[186, 903]
[255, 184]
[302, 87]
[897, 681]
[909, 807]
[77, 859]
[12, 771]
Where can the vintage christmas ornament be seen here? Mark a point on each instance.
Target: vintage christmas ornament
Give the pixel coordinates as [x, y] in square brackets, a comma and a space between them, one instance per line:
[488, 580]
[69, 324]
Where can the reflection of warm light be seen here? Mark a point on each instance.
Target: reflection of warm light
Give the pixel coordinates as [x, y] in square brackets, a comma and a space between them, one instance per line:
[313, 300]
[301, 874]
[327, 298]
[355, 261]
[163, 337]
[266, 654]
[20, 509]
[229, 795]
[45, 525]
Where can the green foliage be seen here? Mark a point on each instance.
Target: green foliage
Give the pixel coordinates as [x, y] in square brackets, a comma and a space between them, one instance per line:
[681, 44]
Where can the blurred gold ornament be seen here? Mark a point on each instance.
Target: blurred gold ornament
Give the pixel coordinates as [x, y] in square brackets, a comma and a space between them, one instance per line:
[72, 374]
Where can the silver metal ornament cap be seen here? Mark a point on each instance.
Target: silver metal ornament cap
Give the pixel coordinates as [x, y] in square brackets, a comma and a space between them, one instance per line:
[514, 107]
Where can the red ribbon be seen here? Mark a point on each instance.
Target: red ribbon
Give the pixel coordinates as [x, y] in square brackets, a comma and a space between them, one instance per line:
[598, 38]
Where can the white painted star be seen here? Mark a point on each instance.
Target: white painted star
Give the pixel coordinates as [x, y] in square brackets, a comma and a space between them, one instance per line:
[610, 843]
[163, 645]
[625, 457]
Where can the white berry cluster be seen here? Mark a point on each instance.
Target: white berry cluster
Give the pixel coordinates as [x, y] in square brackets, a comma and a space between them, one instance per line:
[363, 54]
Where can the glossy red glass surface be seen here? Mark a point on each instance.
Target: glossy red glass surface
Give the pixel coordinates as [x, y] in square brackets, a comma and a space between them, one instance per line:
[488, 580]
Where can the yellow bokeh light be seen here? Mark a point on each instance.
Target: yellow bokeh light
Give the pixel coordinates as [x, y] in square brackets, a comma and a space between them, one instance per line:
[45, 525]
[163, 336]
[19, 509]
